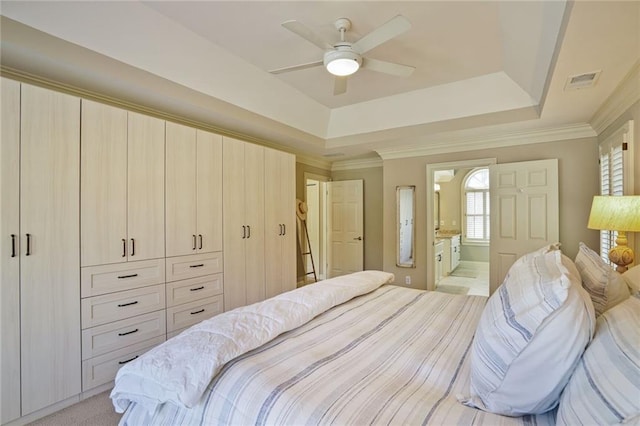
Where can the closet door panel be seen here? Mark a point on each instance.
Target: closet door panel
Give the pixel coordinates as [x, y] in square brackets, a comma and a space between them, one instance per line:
[10, 250]
[288, 206]
[235, 231]
[50, 308]
[254, 213]
[104, 184]
[145, 187]
[180, 190]
[209, 192]
[273, 223]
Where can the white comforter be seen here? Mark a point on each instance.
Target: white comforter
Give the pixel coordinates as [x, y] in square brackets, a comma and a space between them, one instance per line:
[179, 370]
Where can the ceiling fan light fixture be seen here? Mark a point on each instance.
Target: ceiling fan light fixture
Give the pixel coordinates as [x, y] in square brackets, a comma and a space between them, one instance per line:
[341, 62]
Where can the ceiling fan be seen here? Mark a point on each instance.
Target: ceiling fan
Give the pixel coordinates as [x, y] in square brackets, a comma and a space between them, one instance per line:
[344, 58]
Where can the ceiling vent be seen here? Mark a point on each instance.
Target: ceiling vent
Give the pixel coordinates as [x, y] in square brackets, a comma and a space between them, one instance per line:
[582, 81]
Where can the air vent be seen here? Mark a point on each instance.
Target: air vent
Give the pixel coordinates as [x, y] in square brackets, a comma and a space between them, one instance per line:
[335, 154]
[582, 81]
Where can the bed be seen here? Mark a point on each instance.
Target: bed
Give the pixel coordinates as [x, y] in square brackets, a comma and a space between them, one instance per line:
[350, 350]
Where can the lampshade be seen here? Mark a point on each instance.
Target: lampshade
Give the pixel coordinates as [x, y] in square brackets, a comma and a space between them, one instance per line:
[615, 213]
[342, 62]
[621, 214]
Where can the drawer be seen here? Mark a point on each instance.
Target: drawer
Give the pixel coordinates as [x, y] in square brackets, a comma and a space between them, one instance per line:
[103, 279]
[117, 335]
[102, 369]
[182, 316]
[107, 308]
[192, 266]
[184, 291]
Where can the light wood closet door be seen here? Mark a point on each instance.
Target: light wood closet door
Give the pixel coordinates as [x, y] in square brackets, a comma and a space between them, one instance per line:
[104, 184]
[181, 190]
[209, 192]
[280, 237]
[145, 195]
[243, 201]
[49, 275]
[10, 250]
[235, 231]
[254, 214]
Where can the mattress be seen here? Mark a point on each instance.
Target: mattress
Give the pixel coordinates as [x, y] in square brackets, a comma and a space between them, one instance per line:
[391, 356]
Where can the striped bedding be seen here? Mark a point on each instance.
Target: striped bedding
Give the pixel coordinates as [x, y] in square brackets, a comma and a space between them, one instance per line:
[392, 356]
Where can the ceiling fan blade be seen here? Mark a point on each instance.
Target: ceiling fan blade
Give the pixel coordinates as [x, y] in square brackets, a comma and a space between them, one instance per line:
[307, 34]
[385, 32]
[340, 85]
[296, 67]
[387, 67]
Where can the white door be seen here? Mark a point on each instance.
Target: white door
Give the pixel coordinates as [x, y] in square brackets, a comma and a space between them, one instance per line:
[524, 212]
[345, 224]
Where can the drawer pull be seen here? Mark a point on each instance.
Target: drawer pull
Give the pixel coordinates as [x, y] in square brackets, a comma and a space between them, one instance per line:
[197, 312]
[199, 265]
[129, 360]
[128, 332]
[196, 289]
[127, 304]
[120, 277]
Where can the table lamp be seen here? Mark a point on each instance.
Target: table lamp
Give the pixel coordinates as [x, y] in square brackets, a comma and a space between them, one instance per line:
[621, 214]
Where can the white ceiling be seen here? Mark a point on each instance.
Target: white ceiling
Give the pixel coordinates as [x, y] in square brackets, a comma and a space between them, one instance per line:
[482, 68]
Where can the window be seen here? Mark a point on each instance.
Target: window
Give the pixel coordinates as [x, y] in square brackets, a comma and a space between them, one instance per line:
[615, 176]
[476, 207]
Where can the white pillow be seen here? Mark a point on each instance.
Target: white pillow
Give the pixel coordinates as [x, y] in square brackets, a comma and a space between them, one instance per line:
[605, 387]
[605, 286]
[632, 278]
[530, 337]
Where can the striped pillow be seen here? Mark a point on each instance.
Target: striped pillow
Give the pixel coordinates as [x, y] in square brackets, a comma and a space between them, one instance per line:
[605, 388]
[605, 286]
[530, 337]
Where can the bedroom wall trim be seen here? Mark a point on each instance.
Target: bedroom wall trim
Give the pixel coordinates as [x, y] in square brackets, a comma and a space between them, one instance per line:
[356, 164]
[313, 162]
[623, 97]
[455, 143]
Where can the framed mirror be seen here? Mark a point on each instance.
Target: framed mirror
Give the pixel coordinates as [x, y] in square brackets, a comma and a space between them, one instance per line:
[405, 232]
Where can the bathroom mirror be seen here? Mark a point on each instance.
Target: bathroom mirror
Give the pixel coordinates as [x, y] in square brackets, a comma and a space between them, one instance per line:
[405, 232]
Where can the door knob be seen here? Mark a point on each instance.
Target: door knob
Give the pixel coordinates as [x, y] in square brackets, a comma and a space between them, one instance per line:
[359, 238]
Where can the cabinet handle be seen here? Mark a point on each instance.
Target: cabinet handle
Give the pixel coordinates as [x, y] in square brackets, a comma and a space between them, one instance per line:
[280, 226]
[199, 265]
[196, 289]
[129, 360]
[128, 332]
[200, 238]
[244, 232]
[28, 244]
[127, 304]
[197, 312]
[194, 241]
[248, 231]
[124, 248]
[133, 247]
[13, 245]
[284, 229]
[120, 277]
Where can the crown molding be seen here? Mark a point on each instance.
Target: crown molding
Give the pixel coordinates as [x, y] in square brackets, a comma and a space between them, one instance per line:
[453, 143]
[320, 163]
[356, 164]
[623, 97]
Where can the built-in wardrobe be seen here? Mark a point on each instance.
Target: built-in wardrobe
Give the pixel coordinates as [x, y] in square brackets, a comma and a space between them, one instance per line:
[119, 231]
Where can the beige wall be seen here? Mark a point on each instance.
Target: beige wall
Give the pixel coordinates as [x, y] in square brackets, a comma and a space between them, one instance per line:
[373, 245]
[578, 182]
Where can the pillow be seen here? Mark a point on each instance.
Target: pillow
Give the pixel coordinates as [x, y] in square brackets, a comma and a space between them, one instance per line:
[530, 337]
[605, 387]
[632, 278]
[605, 286]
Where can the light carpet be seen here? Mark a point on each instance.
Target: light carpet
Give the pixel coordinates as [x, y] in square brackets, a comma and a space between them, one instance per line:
[95, 411]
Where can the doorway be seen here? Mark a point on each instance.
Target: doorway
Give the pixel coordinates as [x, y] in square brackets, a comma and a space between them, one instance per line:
[459, 265]
[315, 197]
